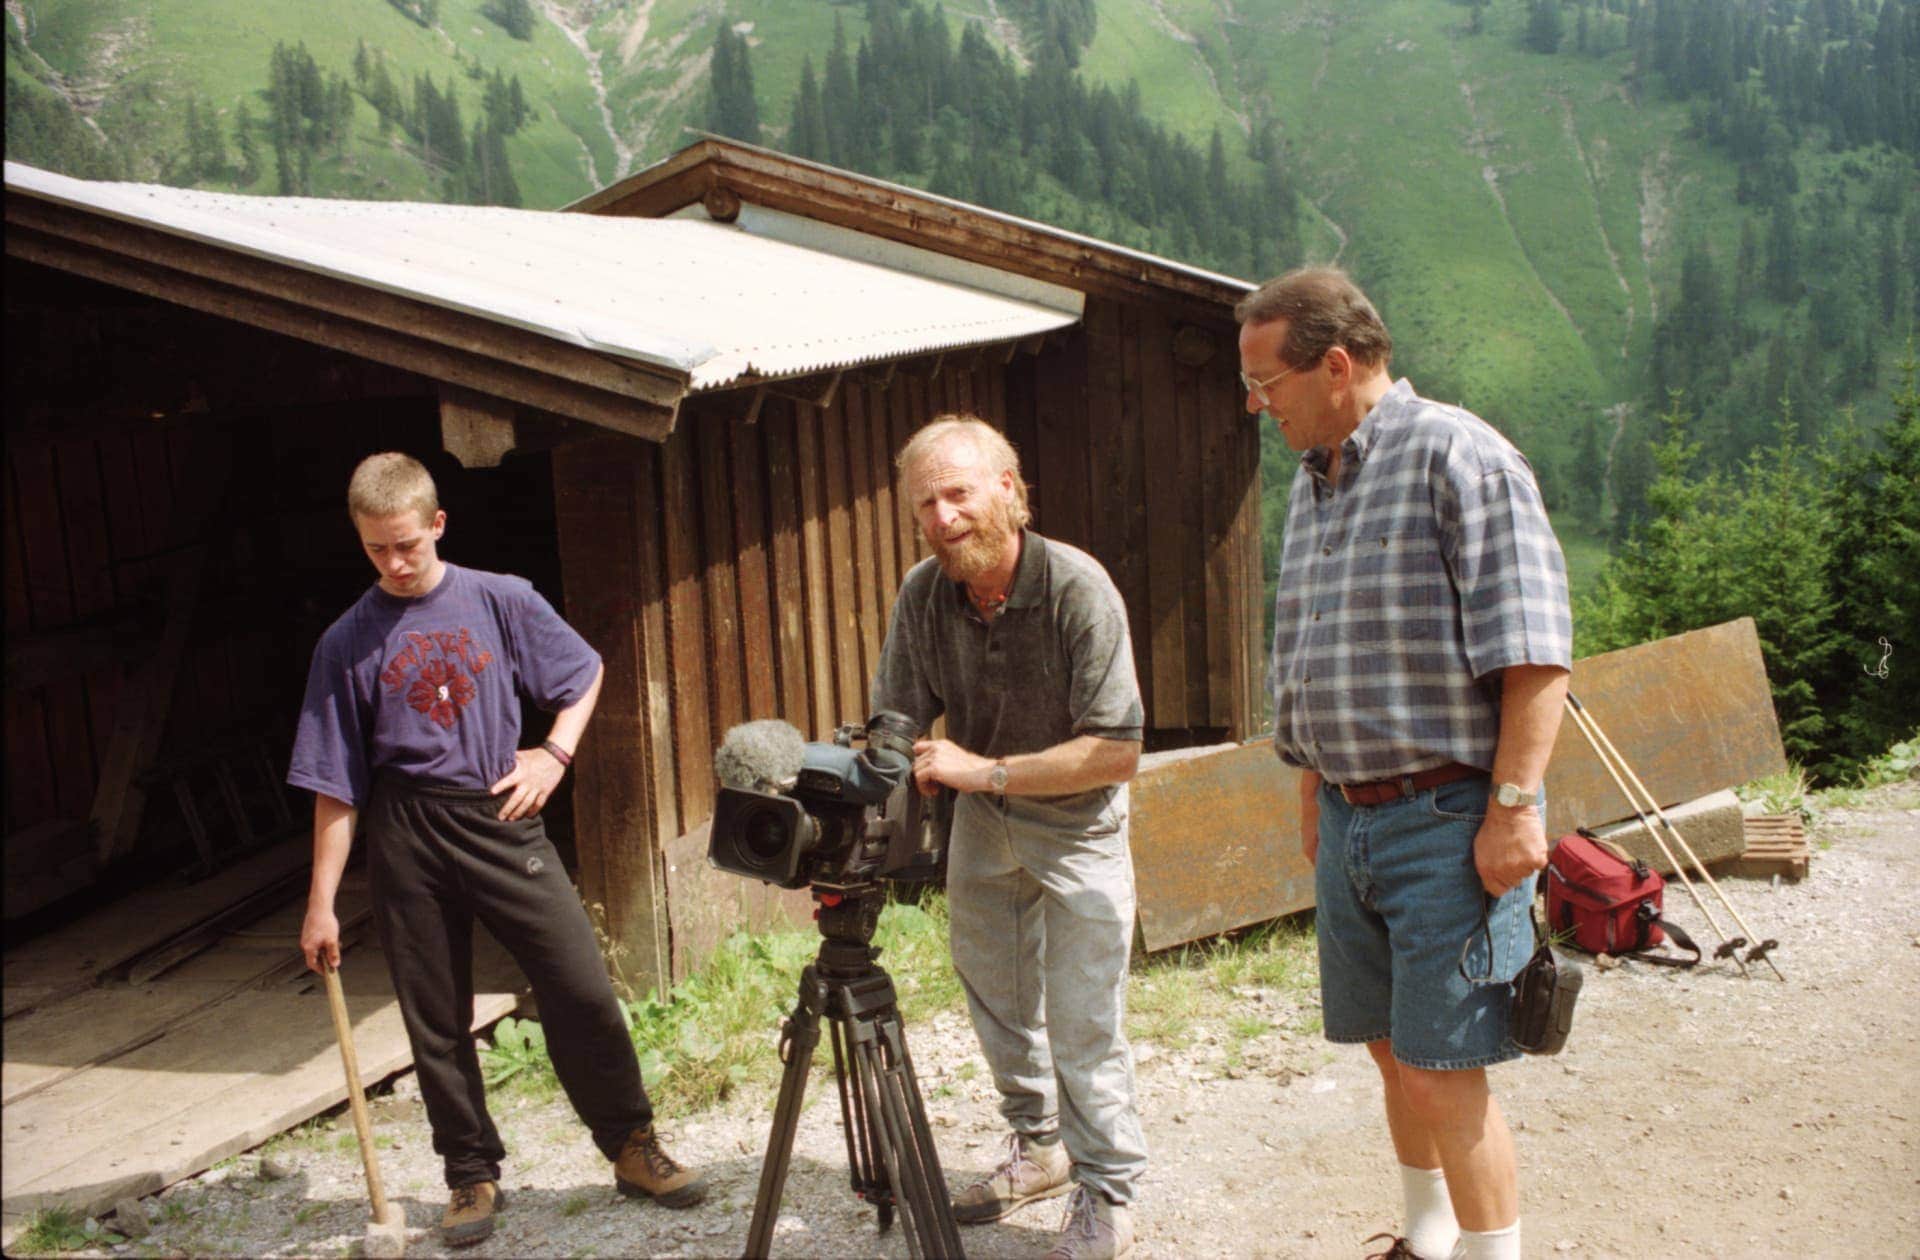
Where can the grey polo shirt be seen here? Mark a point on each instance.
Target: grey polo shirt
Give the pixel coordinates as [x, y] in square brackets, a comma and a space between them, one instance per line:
[1055, 663]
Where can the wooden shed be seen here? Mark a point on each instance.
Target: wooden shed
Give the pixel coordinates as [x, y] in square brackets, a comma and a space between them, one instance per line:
[674, 406]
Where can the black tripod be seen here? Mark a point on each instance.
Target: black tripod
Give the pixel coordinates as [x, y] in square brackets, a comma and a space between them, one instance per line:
[890, 1151]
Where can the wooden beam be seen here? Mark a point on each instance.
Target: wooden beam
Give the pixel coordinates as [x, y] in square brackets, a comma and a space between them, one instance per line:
[895, 212]
[475, 428]
[639, 407]
[141, 717]
[604, 492]
[817, 390]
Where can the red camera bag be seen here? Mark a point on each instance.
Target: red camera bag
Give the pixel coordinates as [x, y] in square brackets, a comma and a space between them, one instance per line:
[1604, 901]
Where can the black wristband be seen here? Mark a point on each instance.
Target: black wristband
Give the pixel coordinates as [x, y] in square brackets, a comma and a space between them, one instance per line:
[558, 753]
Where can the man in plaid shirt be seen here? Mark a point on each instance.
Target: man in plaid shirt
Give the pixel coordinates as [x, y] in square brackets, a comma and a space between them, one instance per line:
[1421, 651]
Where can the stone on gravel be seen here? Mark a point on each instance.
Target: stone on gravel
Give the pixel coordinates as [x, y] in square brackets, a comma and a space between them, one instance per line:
[275, 1168]
[130, 1218]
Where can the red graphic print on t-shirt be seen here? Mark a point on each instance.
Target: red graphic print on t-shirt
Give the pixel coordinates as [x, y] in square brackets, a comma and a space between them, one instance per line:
[427, 672]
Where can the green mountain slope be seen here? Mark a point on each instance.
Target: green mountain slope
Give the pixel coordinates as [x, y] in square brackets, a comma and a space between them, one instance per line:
[1522, 218]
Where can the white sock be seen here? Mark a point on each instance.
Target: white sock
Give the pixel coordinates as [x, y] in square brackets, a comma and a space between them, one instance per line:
[1493, 1244]
[1431, 1229]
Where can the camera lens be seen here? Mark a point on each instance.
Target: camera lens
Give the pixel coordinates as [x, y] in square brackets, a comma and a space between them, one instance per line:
[764, 838]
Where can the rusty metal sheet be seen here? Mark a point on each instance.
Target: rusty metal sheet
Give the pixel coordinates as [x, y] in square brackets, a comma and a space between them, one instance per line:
[1216, 843]
[1692, 714]
[1215, 834]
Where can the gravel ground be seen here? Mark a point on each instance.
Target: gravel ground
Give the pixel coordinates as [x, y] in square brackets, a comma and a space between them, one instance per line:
[1693, 1113]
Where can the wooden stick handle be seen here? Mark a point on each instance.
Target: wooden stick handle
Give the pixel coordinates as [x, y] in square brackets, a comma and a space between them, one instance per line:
[356, 1100]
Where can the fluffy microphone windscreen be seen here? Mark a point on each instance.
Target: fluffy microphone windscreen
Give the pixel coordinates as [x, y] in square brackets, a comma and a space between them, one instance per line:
[760, 754]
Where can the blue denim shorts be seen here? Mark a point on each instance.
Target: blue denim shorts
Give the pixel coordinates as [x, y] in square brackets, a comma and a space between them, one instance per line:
[1398, 896]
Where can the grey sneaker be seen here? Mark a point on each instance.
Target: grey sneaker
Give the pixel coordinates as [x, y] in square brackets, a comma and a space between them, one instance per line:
[1030, 1171]
[1094, 1229]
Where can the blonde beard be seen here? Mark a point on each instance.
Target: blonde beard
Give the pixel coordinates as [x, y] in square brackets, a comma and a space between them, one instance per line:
[981, 550]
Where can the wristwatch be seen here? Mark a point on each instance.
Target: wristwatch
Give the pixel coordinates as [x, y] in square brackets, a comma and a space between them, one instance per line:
[997, 777]
[1512, 795]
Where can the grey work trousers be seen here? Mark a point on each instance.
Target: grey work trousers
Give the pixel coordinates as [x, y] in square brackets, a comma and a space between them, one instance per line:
[1042, 926]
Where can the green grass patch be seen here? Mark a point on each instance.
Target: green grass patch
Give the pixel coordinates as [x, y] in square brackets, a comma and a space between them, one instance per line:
[720, 1031]
[1204, 984]
[62, 1229]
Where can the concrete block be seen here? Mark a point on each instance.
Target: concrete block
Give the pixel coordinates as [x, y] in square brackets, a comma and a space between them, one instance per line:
[386, 1239]
[1713, 827]
[130, 1218]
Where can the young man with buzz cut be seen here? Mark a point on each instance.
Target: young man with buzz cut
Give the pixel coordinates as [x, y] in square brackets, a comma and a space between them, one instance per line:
[411, 728]
[1421, 651]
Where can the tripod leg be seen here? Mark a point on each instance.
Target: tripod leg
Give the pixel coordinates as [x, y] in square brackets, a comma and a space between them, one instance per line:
[890, 1141]
[939, 1204]
[802, 1034]
[922, 1184]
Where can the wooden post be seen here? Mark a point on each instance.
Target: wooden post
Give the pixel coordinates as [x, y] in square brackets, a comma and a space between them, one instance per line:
[475, 428]
[623, 793]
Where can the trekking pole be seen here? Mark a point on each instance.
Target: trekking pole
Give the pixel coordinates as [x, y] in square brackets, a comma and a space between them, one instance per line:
[1758, 953]
[1729, 946]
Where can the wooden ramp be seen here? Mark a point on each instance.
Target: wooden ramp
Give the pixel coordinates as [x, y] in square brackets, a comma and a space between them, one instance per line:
[113, 1089]
[1216, 833]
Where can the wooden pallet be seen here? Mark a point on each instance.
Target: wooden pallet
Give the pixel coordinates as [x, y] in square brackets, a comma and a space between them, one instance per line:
[1776, 845]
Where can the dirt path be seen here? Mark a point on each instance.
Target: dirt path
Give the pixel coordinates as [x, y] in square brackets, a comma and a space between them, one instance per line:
[1693, 1114]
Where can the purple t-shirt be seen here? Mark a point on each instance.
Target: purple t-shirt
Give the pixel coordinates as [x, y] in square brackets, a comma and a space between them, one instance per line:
[430, 686]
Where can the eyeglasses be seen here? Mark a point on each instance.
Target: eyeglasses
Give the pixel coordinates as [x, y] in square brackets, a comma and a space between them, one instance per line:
[1257, 390]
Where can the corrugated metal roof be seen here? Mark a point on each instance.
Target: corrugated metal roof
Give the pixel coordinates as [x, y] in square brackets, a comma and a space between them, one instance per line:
[714, 300]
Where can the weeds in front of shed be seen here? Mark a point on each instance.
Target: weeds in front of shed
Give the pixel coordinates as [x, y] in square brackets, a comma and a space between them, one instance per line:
[1177, 994]
[720, 1031]
[62, 1229]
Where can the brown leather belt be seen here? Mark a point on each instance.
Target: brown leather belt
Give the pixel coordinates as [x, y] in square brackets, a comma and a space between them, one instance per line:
[1380, 791]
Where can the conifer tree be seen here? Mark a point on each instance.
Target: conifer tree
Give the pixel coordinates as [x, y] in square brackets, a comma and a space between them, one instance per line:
[246, 145]
[1546, 27]
[839, 100]
[731, 107]
[808, 136]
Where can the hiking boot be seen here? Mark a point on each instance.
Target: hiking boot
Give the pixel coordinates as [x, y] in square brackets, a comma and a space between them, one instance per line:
[1398, 1249]
[470, 1213]
[1094, 1229]
[645, 1170]
[1032, 1170]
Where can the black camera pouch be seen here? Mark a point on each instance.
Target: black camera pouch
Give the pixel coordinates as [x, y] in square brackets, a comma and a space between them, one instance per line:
[1543, 996]
[1544, 991]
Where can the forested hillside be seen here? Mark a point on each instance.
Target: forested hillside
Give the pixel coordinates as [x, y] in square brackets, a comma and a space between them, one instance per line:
[1570, 211]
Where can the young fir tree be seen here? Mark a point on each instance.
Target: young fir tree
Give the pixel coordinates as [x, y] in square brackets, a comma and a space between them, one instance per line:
[247, 145]
[808, 136]
[731, 107]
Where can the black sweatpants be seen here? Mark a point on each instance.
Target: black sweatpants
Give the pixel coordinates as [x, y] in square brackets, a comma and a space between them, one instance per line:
[438, 858]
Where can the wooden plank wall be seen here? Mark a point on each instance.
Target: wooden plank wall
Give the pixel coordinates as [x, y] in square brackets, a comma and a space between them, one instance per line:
[92, 520]
[1147, 461]
[746, 568]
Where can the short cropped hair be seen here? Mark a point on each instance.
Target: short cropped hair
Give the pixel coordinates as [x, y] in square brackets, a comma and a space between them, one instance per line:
[986, 439]
[1323, 308]
[390, 483]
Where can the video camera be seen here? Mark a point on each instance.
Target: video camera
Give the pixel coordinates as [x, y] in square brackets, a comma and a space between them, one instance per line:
[793, 813]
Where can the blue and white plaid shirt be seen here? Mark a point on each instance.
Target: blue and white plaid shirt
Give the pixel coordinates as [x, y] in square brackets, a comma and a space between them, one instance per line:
[1403, 590]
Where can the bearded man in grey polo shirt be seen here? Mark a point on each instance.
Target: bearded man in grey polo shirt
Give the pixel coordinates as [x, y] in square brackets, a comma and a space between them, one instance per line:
[1421, 653]
[1021, 643]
